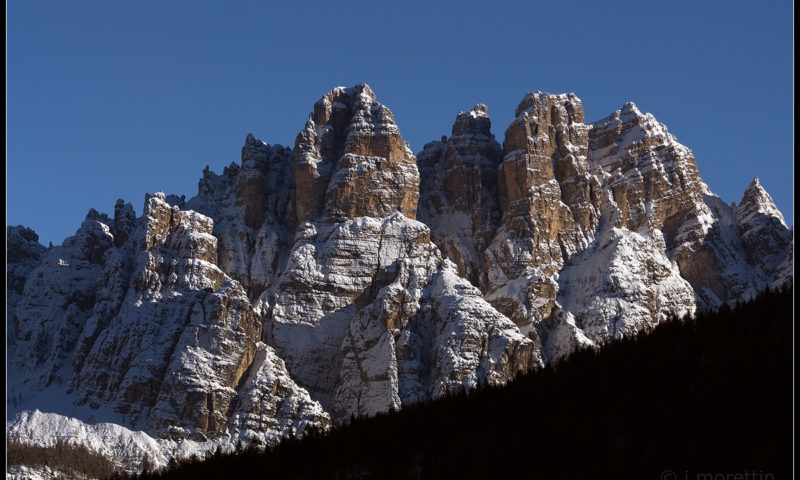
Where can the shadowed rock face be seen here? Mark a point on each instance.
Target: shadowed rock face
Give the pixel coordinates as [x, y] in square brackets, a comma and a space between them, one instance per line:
[151, 330]
[460, 201]
[252, 207]
[23, 254]
[309, 284]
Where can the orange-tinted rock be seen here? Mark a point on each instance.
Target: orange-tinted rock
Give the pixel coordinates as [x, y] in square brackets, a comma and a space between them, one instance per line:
[350, 161]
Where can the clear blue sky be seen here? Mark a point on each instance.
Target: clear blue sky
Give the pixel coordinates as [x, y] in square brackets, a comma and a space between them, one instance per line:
[112, 99]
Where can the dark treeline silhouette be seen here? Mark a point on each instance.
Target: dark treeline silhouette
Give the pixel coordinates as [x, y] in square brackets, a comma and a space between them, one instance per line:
[712, 395]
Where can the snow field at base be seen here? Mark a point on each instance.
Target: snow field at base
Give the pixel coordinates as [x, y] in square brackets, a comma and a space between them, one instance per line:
[126, 447]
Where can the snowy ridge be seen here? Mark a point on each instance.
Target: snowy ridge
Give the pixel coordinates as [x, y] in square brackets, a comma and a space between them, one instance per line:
[130, 449]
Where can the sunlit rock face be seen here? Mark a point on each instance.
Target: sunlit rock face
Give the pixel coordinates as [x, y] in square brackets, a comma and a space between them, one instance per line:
[601, 230]
[361, 318]
[656, 186]
[767, 239]
[352, 162]
[355, 312]
[344, 276]
[549, 203]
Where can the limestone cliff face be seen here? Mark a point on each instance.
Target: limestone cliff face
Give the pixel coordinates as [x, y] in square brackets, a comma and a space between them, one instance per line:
[361, 321]
[57, 301]
[239, 313]
[353, 313]
[563, 263]
[657, 188]
[151, 333]
[544, 165]
[543, 224]
[764, 233]
[351, 160]
[653, 178]
[308, 284]
[251, 205]
[605, 229]
[658, 191]
[461, 206]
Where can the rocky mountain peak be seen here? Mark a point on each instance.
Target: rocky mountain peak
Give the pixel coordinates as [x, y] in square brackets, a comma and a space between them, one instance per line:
[545, 149]
[351, 160]
[560, 107]
[459, 193]
[345, 276]
[630, 110]
[653, 177]
[473, 122]
[550, 210]
[757, 202]
[479, 108]
[22, 245]
[124, 222]
[766, 237]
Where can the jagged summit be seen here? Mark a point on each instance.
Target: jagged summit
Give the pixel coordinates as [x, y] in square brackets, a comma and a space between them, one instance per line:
[532, 103]
[764, 232]
[472, 122]
[756, 201]
[351, 160]
[459, 192]
[347, 276]
[479, 107]
[630, 108]
[250, 141]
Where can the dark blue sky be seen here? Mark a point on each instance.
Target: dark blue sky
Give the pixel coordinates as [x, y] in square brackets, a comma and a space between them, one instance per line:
[116, 99]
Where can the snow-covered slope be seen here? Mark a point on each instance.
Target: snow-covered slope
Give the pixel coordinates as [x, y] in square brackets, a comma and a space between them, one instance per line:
[346, 277]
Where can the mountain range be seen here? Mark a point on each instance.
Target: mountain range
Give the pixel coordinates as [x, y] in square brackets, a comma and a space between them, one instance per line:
[347, 276]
